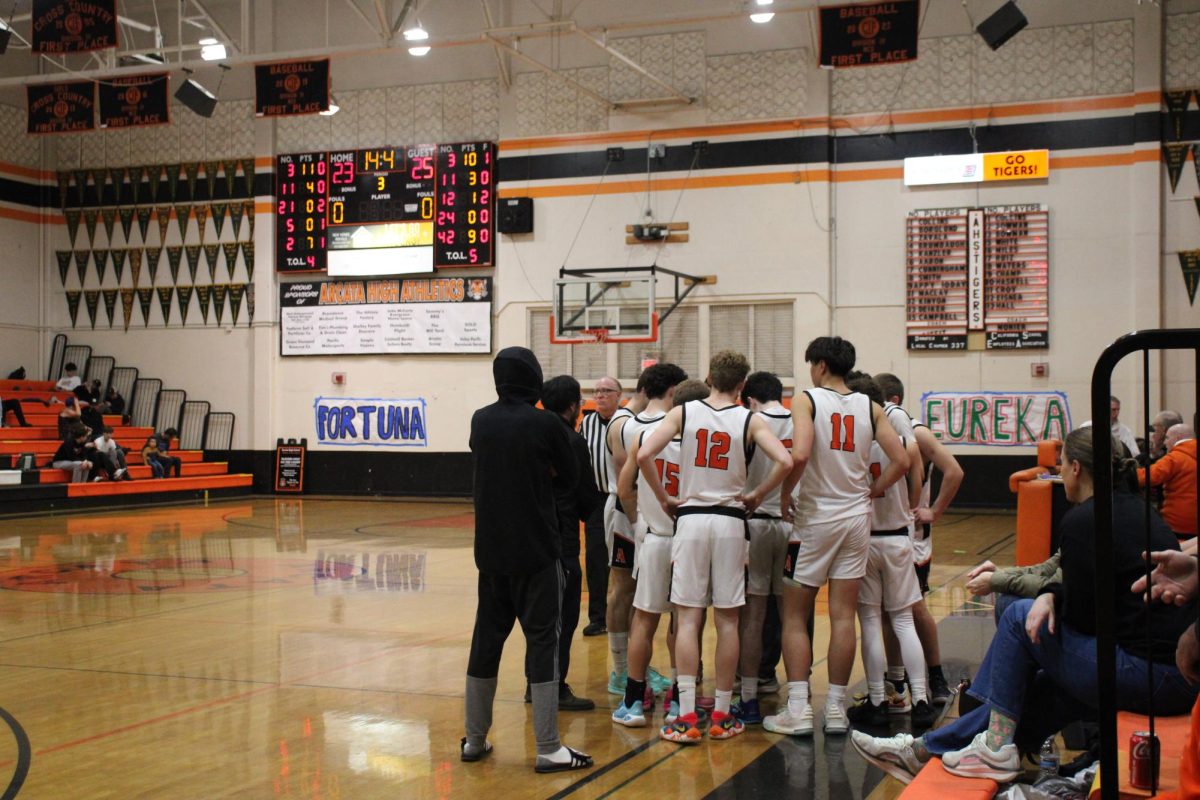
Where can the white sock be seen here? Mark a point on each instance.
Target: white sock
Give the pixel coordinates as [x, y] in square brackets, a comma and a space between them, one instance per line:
[797, 697]
[749, 687]
[895, 673]
[876, 692]
[674, 674]
[618, 645]
[836, 696]
[687, 695]
[560, 756]
[723, 701]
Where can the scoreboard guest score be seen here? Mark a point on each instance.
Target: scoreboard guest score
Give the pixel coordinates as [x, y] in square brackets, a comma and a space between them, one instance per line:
[386, 211]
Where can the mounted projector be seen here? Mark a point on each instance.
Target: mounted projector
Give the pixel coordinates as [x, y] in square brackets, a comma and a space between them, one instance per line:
[649, 233]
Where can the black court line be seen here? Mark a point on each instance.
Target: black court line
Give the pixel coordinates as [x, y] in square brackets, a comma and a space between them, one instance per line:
[607, 768]
[24, 756]
[674, 752]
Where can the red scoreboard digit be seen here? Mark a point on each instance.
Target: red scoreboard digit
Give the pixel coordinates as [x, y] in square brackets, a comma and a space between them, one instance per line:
[301, 192]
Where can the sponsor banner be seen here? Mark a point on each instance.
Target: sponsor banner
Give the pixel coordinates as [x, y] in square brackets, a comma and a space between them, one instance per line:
[371, 422]
[134, 101]
[996, 419]
[61, 108]
[1018, 165]
[73, 26]
[286, 88]
[869, 33]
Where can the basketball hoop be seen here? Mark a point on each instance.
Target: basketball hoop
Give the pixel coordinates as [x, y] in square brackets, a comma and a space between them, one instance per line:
[600, 335]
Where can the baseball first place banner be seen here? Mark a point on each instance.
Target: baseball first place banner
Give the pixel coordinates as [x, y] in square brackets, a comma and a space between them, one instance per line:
[371, 422]
[996, 419]
[74, 26]
[869, 33]
[133, 101]
[286, 88]
[61, 107]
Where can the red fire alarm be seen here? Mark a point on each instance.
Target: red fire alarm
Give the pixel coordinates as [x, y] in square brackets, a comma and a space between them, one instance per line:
[339, 379]
[1039, 369]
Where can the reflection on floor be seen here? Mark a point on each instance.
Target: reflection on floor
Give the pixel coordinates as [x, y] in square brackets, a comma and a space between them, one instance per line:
[316, 649]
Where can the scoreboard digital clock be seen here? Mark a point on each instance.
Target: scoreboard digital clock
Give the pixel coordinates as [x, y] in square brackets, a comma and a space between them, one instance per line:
[386, 211]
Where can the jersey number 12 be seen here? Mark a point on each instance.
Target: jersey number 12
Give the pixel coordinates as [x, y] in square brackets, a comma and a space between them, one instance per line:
[714, 455]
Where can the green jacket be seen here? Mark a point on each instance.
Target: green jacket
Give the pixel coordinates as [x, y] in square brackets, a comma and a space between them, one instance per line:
[1027, 581]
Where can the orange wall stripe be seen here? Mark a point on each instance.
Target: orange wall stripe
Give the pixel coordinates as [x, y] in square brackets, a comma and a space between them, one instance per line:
[26, 172]
[32, 216]
[876, 174]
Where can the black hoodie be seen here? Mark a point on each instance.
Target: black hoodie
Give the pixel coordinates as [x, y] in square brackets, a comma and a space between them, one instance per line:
[519, 453]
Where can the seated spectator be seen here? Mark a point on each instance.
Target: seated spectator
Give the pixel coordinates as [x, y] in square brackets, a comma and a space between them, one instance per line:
[14, 406]
[17, 374]
[1176, 473]
[115, 403]
[108, 447]
[1159, 426]
[1010, 584]
[1039, 673]
[150, 457]
[168, 461]
[96, 397]
[89, 415]
[80, 456]
[69, 380]
[68, 417]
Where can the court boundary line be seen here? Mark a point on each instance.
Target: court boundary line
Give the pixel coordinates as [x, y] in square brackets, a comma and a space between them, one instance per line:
[24, 755]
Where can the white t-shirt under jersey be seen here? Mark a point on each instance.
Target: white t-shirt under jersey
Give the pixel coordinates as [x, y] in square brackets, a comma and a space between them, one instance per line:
[712, 454]
[779, 422]
[837, 481]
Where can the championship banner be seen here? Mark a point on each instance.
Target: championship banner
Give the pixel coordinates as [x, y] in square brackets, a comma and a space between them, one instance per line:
[127, 102]
[250, 304]
[231, 251]
[219, 210]
[248, 177]
[163, 215]
[869, 33]
[81, 176]
[143, 217]
[182, 214]
[73, 26]
[100, 256]
[173, 180]
[996, 419]
[174, 256]
[118, 257]
[192, 170]
[153, 254]
[145, 296]
[1195, 160]
[108, 215]
[127, 305]
[64, 265]
[125, 213]
[211, 253]
[136, 175]
[99, 178]
[164, 302]
[236, 210]
[287, 88]
[154, 176]
[72, 215]
[135, 262]
[203, 293]
[248, 257]
[73, 305]
[1175, 154]
[110, 305]
[90, 215]
[61, 108]
[230, 169]
[193, 259]
[1177, 103]
[249, 207]
[210, 175]
[64, 187]
[91, 299]
[81, 262]
[117, 176]
[1189, 263]
[201, 213]
[218, 292]
[371, 422]
[183, 296]
[236, 292]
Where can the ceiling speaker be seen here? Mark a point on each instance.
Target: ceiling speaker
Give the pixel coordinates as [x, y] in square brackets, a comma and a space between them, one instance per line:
[1002, 26]
[197, 98]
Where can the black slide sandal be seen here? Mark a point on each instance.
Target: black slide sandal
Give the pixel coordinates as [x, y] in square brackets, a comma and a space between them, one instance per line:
[462, 750]
[578, 761]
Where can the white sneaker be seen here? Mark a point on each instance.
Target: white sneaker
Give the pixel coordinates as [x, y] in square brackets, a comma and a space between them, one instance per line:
[119, 474]
[835, 721]
[898, 702]
[790, 724]
[977, 760]
[894, 755]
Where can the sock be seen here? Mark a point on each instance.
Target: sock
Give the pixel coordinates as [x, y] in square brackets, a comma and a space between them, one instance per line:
[545, 716]
[876, 692]
[836, 696]
[895, 674]
[749, 687]
[675, 689]
[674, 674]
[919, 689]
[478, 701]
[687, 695]
[1000, 730]
[635, 691]
[797, 697]
[618, 645]
[560, 756]
[723, 701]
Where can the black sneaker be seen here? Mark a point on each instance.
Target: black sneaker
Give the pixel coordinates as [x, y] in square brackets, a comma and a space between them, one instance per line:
[567, 701]
[594, 629]
[923, 715]
[939, 691]
[868, 713]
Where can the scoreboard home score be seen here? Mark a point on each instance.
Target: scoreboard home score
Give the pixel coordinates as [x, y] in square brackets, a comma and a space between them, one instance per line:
[386, 211]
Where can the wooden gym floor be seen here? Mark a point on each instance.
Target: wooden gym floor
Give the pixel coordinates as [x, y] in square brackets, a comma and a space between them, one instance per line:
[317, 648]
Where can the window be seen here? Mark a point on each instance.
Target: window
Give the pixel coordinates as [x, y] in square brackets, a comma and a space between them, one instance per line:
[583, 361]
[678, 343]
[764, 332]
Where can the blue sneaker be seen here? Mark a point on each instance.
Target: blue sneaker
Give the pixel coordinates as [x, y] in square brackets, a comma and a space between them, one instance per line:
[658, 682]
[747, 711]
[616, 683]
[630, 717]
[672, 712]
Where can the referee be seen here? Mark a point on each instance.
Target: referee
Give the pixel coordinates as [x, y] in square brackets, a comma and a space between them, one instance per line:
[608, 393]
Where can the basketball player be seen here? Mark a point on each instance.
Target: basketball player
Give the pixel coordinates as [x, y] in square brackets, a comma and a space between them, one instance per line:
[763, 395]
[890, 583]
[933, 455]
[709, 549]
[833, 429]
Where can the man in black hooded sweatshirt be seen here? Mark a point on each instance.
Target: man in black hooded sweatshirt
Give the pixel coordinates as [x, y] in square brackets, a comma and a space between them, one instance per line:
[519, 452]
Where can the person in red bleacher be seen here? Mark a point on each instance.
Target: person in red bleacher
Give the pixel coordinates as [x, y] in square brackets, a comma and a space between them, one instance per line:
[107, 446]
[165, 458]
[150, 457]
[68, 417]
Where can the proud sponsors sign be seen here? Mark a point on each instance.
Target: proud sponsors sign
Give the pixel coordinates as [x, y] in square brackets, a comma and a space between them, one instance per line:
[371, 422]
[998, 419]
[1021, 165]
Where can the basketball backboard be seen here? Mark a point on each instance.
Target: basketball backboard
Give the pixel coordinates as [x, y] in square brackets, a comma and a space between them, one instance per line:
[604, 308]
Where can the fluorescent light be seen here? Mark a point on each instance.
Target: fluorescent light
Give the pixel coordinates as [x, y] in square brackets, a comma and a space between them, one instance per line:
[763, 2]
[418, 51]
[416, 34]
[212, 50]
[762, 17]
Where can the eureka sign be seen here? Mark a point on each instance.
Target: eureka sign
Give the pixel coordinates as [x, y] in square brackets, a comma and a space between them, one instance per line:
[1004, 419]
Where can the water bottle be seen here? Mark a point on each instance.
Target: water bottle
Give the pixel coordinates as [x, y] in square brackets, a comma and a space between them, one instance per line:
[1048, 759]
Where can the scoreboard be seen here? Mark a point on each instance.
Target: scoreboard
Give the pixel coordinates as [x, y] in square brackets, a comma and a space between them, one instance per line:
[386, 210]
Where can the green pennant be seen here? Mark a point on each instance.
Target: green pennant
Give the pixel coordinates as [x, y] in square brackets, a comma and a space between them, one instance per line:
[154, 175]
[73, 305]
[192, 170]
[248, 175]
[173, 181]
[250, 304]
[182, 214]
[174, 256]
[219, 210]
[100, 256]
[248, 257]
[91, 299]
[201, 213]
[64, 265]
[135, 266]
[183, 297]
[64, 186]
[193, 259]
[72, 215]
[144, 298]
[236, 292]
[163, 215]
[144, 213]
[153, 254]
[136, 176]
[1177, 103]
[236, 211]
[127, 296]
[211, 252]
[99, 175]
[118, 259]
[1189, 263]
[210, 175]
[81, 262]
[1195, 160]
[231, 251]
[219, 291]
[229, 167]
[126, 215]
[110, 304]
[89, 223]
[203, 293]
[1175, 154]
[249, 206]
[109, 215]
[81, 179]
[164, 302]
[117, 176]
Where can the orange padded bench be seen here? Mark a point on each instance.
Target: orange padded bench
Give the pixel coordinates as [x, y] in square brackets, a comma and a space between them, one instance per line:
[934, 783]
[1172, 733]
[1035, 505]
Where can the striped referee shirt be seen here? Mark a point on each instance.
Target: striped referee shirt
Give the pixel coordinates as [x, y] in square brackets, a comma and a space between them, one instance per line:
[594, 429]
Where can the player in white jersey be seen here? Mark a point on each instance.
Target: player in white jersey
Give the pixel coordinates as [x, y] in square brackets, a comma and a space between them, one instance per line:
[709, 548]
[833, 432]
[934, 455]
[762, 394]
[654, 529]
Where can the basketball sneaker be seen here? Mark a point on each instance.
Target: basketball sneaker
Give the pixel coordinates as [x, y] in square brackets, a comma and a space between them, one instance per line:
[923, 715]
[790, 724]
[748, 712]
[835, 722]
[658, 682]
[868, 713]
[616, 683]
[648, 698]
[725, 726]
[977, 760]
[898, 702]
[683, 730]
[894, 755]
[633, 717]
[939, 690]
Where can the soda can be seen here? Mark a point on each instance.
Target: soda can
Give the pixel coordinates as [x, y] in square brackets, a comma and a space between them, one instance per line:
[1143, 760]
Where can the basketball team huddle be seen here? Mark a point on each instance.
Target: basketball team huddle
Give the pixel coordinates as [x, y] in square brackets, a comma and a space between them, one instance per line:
[721, 498]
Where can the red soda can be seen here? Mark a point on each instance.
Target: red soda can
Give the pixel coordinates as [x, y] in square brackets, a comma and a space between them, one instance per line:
[1143, 759]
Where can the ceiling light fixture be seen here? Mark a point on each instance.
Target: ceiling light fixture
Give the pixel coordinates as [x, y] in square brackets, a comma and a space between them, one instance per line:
[762, 17]
[416, 33]
[212, 50]
[419, 51]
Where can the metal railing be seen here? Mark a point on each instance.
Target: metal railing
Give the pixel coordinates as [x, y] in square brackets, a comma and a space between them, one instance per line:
[100, 368]
[219, 435]
[54, 370]
[144, 402]
[170, 407]
[1106, 639]
[193, 419]
[77, 354]
[124, 380]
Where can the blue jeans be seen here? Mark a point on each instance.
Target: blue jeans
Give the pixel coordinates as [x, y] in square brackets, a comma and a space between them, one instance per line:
[1048, 685]
[1003, 601]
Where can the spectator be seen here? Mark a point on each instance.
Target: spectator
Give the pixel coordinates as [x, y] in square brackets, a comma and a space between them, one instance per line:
[1010, 584]
[95, 393]
[168, 461]
[69, 380]
[1158, 432]
[89, 415]
[1120, 430]
[151, 458]
[13, 405]
[68, 417]
[72, 455]
[1176, 473]
[115, 403]
[108, 447]
[17, 374]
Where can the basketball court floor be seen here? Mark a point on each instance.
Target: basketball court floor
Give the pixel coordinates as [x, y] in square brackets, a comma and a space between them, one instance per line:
[317, 648]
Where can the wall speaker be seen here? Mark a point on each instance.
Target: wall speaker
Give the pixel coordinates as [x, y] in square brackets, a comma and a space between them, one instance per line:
[516, 215]
[196, 97]
[1002, 26]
